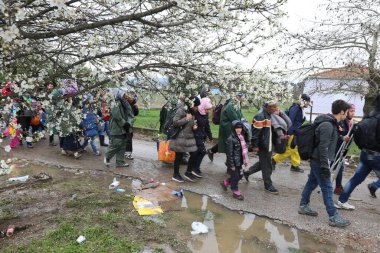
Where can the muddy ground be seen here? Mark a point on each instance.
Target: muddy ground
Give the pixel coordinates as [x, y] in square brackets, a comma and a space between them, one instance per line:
[77, 197]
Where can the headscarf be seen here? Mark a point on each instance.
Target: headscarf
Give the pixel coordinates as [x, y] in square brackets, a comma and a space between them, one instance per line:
[205, 105]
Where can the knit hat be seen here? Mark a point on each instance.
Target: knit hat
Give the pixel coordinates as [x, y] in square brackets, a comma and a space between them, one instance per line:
[193, 101]
[237, 124]
[205, 105]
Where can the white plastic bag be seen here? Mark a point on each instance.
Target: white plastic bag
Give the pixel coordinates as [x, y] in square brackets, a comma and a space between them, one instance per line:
[19, 179]
[114, 184]
[198, 228]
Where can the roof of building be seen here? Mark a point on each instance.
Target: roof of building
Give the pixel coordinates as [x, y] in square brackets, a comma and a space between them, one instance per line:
[351, 71]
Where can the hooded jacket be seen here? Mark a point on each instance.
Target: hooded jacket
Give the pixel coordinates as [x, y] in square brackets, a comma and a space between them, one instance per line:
[297, 117]
[326, 137]
[234, 149]
[185, 141]
[121, 116]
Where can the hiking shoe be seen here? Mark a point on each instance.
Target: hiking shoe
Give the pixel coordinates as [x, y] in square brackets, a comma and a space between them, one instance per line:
[338, 221]
[296, 169]
[129, 156]
[197, 173]
[178, 178]
[77, 155]
[210, 155]
[246, 176]
[338, 190]
[123, 165]
[237, 196]
[306, 210]
[189, 176]
[372, 191]
[106, 161]
[344, 205]
[272, 189]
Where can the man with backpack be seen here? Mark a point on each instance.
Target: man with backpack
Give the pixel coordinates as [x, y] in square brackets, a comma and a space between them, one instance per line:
[367, 137]
[323, 147]
[262, 143]
[297, 117]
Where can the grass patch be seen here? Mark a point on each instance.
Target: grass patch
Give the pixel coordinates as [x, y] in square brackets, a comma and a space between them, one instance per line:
[63, 239]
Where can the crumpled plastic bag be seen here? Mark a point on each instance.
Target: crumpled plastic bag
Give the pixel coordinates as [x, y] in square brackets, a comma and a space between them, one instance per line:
[198, 228]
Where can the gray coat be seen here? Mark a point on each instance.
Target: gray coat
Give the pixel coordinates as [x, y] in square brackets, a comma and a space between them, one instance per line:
[185, 141]
[326, 136]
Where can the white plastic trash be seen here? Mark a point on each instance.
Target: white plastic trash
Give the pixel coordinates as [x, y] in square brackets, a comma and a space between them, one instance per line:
[81, 239]
[19, 179]
[114, 184]
[198, 228]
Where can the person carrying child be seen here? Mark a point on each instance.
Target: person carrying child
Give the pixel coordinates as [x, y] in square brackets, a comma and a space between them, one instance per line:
[237, 157]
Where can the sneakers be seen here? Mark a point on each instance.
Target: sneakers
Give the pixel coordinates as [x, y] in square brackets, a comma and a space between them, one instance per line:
[63, 152]
[272, 189]
[338, 221]
[237, 195]
[178, 178]
[338, 190]
[197, 173]
[29, 145]
[224, 184]
[296, 169]
[97, 153]
[306, 210]
[52, 144]
[189, 176]
[344, 205]
[210, 155]
[106, 161]
[129, 156]
[372, 191]
[123, 165]
[77, 155]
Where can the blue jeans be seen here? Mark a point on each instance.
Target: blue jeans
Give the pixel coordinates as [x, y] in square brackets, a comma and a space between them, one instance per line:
[339, 177]
[376, 184]
[105, 128]
[313, 181]
[92, 143]
[368, 162]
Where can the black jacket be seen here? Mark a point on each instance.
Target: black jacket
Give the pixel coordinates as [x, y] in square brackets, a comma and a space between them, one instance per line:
[326, 136]
[262, 136]
[234, 151]
[203, 131]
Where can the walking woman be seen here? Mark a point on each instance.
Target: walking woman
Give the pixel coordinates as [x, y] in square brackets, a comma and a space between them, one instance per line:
[185, 141]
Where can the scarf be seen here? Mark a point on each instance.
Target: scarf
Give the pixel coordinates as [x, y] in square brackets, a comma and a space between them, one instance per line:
[244, 149]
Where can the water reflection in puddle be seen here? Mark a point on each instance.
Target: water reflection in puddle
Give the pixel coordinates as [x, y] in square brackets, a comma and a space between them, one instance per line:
[233, 232]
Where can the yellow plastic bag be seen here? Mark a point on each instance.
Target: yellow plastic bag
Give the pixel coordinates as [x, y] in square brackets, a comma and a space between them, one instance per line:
[164, 153]
[145, 207]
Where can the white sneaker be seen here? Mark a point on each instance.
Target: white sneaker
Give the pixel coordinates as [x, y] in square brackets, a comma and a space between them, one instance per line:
[77, 155]
[345, 205]
[63, 152]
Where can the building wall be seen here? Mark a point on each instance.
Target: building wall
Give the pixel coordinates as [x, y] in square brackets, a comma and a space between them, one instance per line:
[322, 101]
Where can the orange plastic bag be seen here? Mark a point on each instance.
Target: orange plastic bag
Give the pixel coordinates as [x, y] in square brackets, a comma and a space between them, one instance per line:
[164, 153]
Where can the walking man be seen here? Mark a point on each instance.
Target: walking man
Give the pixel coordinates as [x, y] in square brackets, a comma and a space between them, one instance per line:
[326, 135]
[297, 117]
[262, 143]
[369, 161]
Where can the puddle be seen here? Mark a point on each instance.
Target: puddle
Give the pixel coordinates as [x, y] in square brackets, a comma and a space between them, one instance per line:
[235, 232]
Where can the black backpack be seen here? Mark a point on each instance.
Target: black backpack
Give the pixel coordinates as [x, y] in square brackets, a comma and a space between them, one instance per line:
[216, 114]
[169, 129]
[306, 139]
[365, 132]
